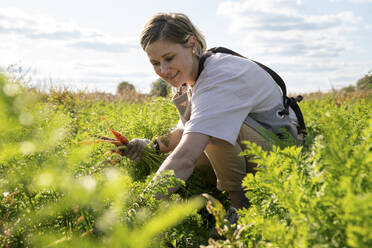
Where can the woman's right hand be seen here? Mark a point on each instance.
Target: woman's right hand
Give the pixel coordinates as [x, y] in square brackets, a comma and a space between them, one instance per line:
[135, 149]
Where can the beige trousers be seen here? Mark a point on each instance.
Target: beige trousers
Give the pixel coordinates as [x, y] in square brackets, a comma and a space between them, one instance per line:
[229, 167]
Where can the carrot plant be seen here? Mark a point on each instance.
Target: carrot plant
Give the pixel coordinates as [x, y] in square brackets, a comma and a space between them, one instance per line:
[57, 192]
[317, 195]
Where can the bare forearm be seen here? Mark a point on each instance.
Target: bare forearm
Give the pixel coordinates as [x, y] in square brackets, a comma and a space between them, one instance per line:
[182, 166]
[168, 142]
[181, 172]
[182, 160]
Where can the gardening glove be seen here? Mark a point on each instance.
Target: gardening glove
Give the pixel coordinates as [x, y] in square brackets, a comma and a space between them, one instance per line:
[136, 148]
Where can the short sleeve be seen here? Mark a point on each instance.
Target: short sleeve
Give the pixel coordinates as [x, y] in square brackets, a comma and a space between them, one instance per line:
[180, 124]
[228, 89]
[221, 118]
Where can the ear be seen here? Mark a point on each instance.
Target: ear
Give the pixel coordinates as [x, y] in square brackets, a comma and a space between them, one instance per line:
[192, 42]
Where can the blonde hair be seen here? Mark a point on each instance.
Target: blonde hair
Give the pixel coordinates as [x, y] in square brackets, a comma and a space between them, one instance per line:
[173, 27]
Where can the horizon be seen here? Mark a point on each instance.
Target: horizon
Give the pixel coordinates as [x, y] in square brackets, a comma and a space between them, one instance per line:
[313, 45]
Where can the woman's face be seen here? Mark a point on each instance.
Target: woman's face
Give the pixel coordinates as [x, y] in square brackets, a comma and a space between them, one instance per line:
[175, 63]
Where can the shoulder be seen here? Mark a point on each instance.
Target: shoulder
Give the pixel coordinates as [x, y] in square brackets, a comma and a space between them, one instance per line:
[222, 63]
[237, 79]
[223, 69]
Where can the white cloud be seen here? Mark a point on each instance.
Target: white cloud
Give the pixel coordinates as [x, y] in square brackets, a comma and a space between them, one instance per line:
[67, 54]
[361, 1]
[281, 16]
[304, 48]
[352, 1]
[16, 22]
[278, 34]
[112, 46]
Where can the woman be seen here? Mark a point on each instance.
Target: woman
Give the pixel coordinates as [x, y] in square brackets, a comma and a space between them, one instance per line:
[213, 104]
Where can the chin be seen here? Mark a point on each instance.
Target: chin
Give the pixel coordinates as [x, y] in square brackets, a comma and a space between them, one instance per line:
[176, 84]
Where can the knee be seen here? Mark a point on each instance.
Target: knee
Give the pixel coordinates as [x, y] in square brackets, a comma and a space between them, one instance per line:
[238, 199]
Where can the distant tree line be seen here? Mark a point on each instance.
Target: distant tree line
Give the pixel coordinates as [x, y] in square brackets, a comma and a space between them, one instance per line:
[365, 82]
[124, 87]
[158, 88]
[161, 88]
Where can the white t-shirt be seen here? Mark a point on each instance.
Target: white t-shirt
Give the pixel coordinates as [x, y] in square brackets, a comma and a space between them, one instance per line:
[227, 90]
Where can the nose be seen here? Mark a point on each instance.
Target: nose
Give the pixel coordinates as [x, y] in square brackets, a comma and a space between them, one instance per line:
[163, 68]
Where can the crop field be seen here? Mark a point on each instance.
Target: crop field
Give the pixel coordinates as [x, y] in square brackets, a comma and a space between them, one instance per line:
[59, 188]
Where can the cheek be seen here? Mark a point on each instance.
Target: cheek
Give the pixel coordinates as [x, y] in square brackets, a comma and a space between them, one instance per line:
[157, 70]
[188, 65]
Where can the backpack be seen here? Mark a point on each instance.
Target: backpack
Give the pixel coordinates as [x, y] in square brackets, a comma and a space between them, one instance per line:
[287, 101]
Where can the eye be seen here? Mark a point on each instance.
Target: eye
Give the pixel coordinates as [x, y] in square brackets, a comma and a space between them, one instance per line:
[169, 59]
[155, 63]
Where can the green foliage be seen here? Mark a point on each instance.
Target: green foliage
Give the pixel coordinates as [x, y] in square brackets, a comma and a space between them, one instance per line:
[160, 88]
[125, 86]
[365, 83]
[56, 192]
[317, 195]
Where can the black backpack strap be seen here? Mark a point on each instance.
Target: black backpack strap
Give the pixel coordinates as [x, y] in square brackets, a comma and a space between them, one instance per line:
[287, 102]
[293, 102]
[201, 62]
[272, 73]
[279, 81]
[212, 51]
[224, 50]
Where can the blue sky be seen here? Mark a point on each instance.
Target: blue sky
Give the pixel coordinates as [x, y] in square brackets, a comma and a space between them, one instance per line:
[93, 45]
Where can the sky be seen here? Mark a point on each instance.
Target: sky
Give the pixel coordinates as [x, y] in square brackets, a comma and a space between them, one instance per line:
[92, 45]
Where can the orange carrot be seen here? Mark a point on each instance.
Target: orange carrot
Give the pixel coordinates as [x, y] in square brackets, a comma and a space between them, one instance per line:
[120, 137]
[114, 142]
[111, 141]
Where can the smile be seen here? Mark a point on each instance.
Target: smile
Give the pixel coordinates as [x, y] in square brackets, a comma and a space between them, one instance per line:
[174, 76]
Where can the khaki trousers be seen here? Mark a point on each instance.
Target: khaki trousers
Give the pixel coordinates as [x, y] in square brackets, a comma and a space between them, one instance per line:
[229, 167]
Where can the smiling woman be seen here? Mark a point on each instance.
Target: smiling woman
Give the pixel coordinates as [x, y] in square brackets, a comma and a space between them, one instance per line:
[175, 63]
[174, 46]
[216, 95]
[174, 27]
